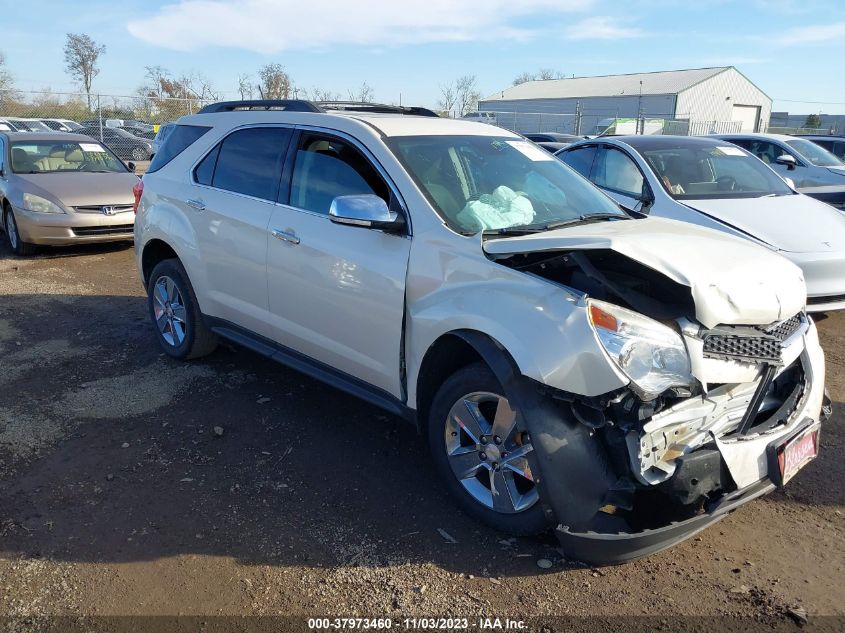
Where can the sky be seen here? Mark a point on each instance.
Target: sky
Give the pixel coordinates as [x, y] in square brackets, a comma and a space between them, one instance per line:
[406, 49]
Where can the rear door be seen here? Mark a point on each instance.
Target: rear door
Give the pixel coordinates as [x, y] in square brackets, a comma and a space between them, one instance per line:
[580, 158]
[234, 195]
[337, 292]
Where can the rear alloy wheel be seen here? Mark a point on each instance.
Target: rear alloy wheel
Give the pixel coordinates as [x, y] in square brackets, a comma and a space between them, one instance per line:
[19, 247]
[483, 454]
[139, 153]
[175, 313]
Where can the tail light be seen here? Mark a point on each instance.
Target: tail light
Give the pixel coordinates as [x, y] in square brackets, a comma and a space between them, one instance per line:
[138, 190]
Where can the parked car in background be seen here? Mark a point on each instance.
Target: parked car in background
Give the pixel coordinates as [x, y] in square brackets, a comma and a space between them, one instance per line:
[140, 132]
[712, 183]
[58, 189]
[553, 148]
[121, 142]
[28, 125]
[163, 131]
[833, 144]
[624, 380]
[7, 126]
[800, 160]
[480, 117]
[61, 125]
[553, 137]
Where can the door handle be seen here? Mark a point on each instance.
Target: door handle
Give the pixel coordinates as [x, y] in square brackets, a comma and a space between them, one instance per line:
[199, 205]
[285, 236]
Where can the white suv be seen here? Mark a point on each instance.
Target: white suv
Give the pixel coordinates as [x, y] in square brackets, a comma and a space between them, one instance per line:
[624, 380]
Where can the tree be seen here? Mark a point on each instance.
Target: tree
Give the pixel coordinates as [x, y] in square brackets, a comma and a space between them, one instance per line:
[81, 55]
[245, 86]
[467, 94]
[363, 95]
[319, 94]
[813, 121]
[169, 97]
[275, 82]
[6, 80]
[448, 97]
[543, 74]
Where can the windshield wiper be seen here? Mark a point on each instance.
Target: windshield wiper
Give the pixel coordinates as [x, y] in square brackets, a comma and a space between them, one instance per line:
[514, 230]
[584, 219]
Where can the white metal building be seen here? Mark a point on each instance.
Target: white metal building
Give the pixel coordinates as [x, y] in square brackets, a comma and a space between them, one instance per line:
[703, 100]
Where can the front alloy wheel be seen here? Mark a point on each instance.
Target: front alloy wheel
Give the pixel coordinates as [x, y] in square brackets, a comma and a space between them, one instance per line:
[483, 454]
[487, 454]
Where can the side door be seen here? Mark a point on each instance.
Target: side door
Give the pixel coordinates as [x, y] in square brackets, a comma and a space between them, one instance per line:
[618, 176]
[337, 292]
[234, 192]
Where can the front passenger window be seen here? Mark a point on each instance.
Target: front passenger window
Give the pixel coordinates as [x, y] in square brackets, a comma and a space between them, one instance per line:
[327, 167]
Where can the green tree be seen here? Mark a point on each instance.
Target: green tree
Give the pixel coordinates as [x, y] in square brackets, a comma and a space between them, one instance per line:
[813, 121]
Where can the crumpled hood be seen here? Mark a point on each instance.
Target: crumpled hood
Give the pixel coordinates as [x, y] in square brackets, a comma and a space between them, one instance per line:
[732, 281]
[796, 223]
[77, 189]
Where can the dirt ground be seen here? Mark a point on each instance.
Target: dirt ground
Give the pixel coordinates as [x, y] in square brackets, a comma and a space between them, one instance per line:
[117, 497]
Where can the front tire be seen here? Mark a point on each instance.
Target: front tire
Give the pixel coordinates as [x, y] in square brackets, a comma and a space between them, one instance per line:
[175, 313]
[481, 453]
[18, 246]
[139, 154]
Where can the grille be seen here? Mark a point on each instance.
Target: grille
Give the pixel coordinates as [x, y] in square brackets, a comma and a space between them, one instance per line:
[98, 208]
[817, 301]
[760, 343]
[117, 229]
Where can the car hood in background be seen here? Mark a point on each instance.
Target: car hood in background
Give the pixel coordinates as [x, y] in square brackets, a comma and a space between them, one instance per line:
[77, 188]
[732, 280]
[795, 224]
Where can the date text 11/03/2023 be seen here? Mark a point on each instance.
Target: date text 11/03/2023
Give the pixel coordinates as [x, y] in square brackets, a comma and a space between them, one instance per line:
[419, 623]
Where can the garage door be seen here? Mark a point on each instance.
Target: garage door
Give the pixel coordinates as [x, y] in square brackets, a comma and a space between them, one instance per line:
[749, 116]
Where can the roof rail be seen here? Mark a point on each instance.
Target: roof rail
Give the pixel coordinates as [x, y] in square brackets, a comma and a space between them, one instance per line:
[380, 108]
[290, 105]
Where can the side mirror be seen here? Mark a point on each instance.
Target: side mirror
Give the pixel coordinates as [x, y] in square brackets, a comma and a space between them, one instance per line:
[131, 166]
[787, 160]
[365, 210]
[790, 183]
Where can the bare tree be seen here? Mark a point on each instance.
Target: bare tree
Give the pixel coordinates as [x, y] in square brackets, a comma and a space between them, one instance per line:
[543, 74]
[245, 86]
[275, 82]
[6, 79]
[364, 93]
[81, 55]
[319, 94]
[467, 94]
[448, 97]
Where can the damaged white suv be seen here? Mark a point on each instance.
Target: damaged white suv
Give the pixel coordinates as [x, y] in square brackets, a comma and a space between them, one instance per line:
[626, 381]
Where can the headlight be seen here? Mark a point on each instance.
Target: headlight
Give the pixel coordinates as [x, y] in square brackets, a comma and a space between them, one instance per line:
[652, 355]
[39, 204]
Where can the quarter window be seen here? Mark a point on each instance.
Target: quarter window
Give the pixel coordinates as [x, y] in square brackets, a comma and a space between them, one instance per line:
[581, 159]
[249, 162]
[614, 170]
[327, 167]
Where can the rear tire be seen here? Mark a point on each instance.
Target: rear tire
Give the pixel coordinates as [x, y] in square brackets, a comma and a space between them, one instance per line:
[18, 246]
[479, 450]
[175, 313]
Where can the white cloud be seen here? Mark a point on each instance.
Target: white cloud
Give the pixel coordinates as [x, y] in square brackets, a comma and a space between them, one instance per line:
[270, 26]
[812, 34]
[601, 28]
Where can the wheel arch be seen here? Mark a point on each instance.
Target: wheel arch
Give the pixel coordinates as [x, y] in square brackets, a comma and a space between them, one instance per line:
[455, 350]
[155, 251]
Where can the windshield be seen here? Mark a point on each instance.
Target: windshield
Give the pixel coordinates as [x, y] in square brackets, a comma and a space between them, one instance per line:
[713, 171]
[814, 153]
[483, 182]
[49, 157]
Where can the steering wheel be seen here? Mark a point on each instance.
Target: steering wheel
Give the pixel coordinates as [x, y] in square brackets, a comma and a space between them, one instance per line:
[726, 183]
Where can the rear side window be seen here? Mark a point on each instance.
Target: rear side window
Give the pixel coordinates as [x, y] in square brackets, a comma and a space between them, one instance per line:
[580, 159]
[176, 142]
[249, 162]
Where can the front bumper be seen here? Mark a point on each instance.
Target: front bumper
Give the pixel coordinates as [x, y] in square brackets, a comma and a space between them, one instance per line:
[63, 229]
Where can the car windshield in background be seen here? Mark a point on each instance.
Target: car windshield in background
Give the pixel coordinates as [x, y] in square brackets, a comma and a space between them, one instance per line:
[816, 154]
[46, 157]
[483, 182]
[713, 172]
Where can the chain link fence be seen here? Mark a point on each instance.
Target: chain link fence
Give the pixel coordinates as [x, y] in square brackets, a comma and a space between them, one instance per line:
[126, 124]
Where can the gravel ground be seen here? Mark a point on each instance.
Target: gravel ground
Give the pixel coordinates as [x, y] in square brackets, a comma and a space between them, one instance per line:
[118, 497]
